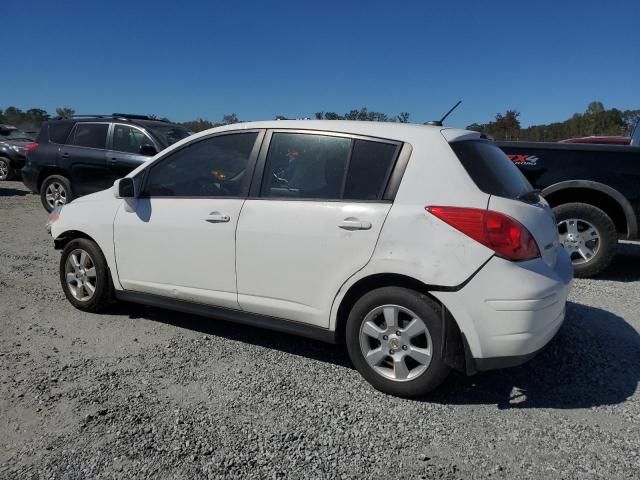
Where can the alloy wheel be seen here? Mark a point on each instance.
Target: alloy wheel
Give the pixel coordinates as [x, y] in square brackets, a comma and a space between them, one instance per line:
[396, 343]
[56, 195]
[580, 238]
[4, 170]
[80, 275]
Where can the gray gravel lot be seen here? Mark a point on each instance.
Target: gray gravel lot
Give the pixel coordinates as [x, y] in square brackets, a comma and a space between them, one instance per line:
[143, 392]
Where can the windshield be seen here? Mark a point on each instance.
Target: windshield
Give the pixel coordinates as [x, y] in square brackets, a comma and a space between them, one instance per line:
[491, 169]
[170, 134]
[15, 134]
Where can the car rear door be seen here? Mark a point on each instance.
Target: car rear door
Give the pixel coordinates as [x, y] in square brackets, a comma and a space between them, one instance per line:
[313, 219]
[123, 154]
[84, 158]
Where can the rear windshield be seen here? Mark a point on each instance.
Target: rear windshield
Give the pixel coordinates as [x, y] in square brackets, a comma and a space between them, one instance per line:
[491, 169]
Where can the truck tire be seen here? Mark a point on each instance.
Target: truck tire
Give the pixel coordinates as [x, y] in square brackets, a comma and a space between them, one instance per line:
[55, 191]
[6, 170]
[589, 235]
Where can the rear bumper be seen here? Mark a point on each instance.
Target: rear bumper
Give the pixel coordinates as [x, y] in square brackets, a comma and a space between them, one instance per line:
[30, 178]
[510, 310]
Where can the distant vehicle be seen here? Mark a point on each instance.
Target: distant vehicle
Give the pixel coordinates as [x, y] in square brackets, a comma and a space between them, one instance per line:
[84, 154]
[422, 248]
[12, 146]
[599, 140]
[594, 191]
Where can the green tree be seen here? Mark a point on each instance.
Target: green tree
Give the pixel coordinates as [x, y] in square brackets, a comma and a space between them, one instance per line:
[230, 119]
[65, 112]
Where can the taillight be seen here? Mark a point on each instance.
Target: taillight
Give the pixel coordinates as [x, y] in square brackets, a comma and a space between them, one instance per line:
[30, 147]
[501, 233]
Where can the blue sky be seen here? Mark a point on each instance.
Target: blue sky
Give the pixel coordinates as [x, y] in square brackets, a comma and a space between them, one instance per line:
[188, 59]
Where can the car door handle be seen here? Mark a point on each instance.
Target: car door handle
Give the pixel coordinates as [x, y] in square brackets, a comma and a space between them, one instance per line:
[352, 223]
[217, 217]
[65, 155]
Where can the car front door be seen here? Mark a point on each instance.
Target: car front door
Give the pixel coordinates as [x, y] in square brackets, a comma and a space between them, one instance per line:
[177, 239]
[312, 222]
[124, 154]
[84, 157]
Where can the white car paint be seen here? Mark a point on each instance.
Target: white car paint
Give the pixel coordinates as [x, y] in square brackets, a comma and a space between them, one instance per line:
[293, 260]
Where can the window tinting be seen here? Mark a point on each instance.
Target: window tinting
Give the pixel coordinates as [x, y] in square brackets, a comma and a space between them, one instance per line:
[369, 169]
[59, 132]
[92, 135]
[302, 165]
[128, 139]
[214, 167]
[491, 169]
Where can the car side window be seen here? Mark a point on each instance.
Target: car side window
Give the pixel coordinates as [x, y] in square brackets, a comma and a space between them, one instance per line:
[129, 139]
[93, 135]
[213, 167]
[301, 165]
[369, 169]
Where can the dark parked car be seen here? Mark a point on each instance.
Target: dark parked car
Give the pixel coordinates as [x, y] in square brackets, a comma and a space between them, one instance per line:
[594, 191]
[12, 145]
[85, 154]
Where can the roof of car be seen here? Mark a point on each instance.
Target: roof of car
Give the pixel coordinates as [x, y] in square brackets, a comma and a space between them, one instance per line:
[388, 130]
[114, 118]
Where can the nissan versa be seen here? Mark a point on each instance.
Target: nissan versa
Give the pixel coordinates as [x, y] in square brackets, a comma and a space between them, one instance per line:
[422, 248]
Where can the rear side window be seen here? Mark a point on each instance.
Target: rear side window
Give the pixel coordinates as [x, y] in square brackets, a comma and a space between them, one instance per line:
[93, 135]
[59, 132]
[306, 166]
[491, 169]
[369, 169]
[312, 166]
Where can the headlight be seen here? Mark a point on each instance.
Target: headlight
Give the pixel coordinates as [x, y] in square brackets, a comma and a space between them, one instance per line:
[53, 217]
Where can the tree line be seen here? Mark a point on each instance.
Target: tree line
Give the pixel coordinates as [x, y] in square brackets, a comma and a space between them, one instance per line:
[596, 120]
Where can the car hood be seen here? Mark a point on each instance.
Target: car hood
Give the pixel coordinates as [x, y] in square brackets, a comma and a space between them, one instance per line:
[96, 197]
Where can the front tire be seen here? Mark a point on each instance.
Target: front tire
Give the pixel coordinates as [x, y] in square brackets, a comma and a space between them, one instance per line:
[6, 170]
[589, 236]
[55, 191]
[394, 339]
[84, 275]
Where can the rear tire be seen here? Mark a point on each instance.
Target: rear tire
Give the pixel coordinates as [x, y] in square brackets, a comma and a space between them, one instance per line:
[55, 191]
[6, 170]
[84, 276]
[398, 353]
[594, 242]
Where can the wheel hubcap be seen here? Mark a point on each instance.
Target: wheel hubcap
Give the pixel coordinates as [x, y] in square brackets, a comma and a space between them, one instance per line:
[580, 238]
[80, 275]
[395, 342]
[56, 195]
[4, 169]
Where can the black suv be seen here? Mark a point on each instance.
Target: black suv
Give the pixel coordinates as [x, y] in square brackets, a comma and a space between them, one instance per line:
[85, 154]
[12, 146]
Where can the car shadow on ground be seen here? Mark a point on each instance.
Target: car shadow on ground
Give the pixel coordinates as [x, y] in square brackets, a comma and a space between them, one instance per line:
[12, 192]
[593, 360]
[625, 267]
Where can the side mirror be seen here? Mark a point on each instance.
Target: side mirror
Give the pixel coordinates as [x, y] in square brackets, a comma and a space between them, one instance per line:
[124, 188]
[148, 150]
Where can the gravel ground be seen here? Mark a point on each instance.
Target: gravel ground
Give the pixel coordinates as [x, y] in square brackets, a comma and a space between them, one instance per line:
[143, 392]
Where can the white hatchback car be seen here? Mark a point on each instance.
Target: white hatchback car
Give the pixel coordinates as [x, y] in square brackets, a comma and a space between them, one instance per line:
[423, 248]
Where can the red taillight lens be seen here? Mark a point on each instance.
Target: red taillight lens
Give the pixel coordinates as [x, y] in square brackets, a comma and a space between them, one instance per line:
[501, 233]
[30, 147]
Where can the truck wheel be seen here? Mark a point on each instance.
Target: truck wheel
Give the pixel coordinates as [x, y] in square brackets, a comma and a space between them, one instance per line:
[394, 339]
[6, 170]
[55, 191]
[589, 235]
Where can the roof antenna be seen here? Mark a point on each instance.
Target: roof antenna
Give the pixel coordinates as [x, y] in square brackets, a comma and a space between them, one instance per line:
[438, 123]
